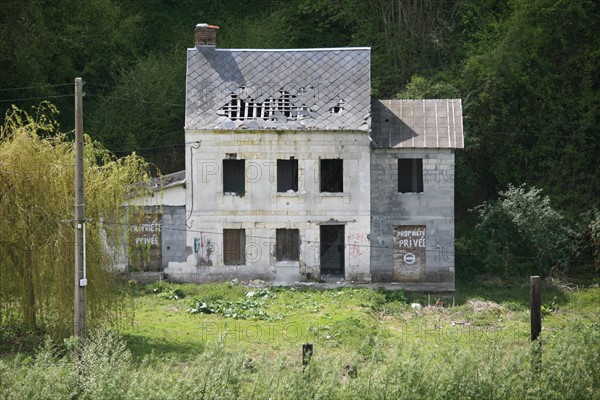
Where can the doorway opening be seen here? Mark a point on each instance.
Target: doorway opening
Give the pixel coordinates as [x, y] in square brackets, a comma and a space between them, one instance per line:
[332, 250]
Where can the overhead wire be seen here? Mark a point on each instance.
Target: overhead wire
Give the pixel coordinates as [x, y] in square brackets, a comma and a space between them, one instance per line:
[37, 98]
[431, 252]
[36, 87]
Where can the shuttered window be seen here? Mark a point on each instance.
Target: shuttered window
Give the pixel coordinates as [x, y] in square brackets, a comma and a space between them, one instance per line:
[288, 245]
[234, 247]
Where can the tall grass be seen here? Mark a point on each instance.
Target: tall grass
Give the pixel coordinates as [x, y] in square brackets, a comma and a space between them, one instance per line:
[491, 370]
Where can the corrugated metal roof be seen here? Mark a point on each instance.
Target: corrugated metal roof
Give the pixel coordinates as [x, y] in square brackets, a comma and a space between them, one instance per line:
[417, 123]
[325, 89]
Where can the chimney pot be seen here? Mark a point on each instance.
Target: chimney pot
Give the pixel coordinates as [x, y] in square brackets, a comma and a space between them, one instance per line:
[206, 35]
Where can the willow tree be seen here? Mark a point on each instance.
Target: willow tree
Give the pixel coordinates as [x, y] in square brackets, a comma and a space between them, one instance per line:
[36, 235]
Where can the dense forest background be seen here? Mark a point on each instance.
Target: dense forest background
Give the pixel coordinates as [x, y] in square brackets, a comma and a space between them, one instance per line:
[528, 72]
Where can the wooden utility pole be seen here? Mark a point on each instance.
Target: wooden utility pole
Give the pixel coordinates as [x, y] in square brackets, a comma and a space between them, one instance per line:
[80, 268]
[536, 307]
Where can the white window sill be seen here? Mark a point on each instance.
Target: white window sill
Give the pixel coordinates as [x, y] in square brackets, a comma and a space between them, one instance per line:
[287, 264]
[345, 196]
[229, 197]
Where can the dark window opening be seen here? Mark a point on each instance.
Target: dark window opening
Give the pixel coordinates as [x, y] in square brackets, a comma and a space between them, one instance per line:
[410, 175]
[287, 175]
[332, 176]
[234, 247]
[233, 177]
[287, 245]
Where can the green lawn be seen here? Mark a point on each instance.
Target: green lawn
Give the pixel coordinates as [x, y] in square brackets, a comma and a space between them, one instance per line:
[340, 321]
[245, 342]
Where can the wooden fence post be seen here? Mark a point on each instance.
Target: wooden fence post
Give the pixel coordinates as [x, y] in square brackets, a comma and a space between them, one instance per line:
[307, 352]
[536, 307]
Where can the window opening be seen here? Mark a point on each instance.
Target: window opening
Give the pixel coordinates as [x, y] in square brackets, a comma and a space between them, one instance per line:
[410, 175]
[332, 176]
[233, 176]
[234, 246]
[287, 245]
[287, 175]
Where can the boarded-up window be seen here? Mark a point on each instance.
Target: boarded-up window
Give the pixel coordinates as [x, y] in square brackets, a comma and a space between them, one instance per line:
[410, 175]
[234, 247]
[332, 176]
[288, 245]
[233, 177]
[287, 175]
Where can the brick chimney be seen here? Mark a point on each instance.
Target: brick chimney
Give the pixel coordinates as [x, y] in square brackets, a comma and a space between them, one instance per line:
[206, 35]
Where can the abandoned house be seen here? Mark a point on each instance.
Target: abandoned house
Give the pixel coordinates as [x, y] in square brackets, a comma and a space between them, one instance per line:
[294, 173]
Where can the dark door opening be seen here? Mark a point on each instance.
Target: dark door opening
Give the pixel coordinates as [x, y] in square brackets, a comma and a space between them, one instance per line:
[332, 250]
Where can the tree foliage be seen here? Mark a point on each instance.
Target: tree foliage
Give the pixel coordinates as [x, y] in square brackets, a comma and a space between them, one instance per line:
[528, 72]
[532, 98]
[143, 111]
[521, 233]
[36, 204]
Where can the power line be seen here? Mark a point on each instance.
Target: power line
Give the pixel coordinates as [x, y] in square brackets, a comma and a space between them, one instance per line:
[431, 252]
[37, 98]
[36, 87]
[137, 100]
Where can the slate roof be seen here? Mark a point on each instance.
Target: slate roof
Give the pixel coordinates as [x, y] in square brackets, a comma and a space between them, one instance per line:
[417, 123]
[172, 179]
[324, 89]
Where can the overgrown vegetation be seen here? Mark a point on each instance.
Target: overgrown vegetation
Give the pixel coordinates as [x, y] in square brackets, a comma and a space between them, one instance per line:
[36, 213]
[376, 346]
[521, 234]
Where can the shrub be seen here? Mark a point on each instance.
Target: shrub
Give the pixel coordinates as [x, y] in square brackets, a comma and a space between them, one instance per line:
[521, 233]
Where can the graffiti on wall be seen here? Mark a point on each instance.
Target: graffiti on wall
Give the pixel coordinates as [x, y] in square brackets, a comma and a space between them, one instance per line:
[409, 252]
[357, 244]
[145, 243]
[203, 249]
